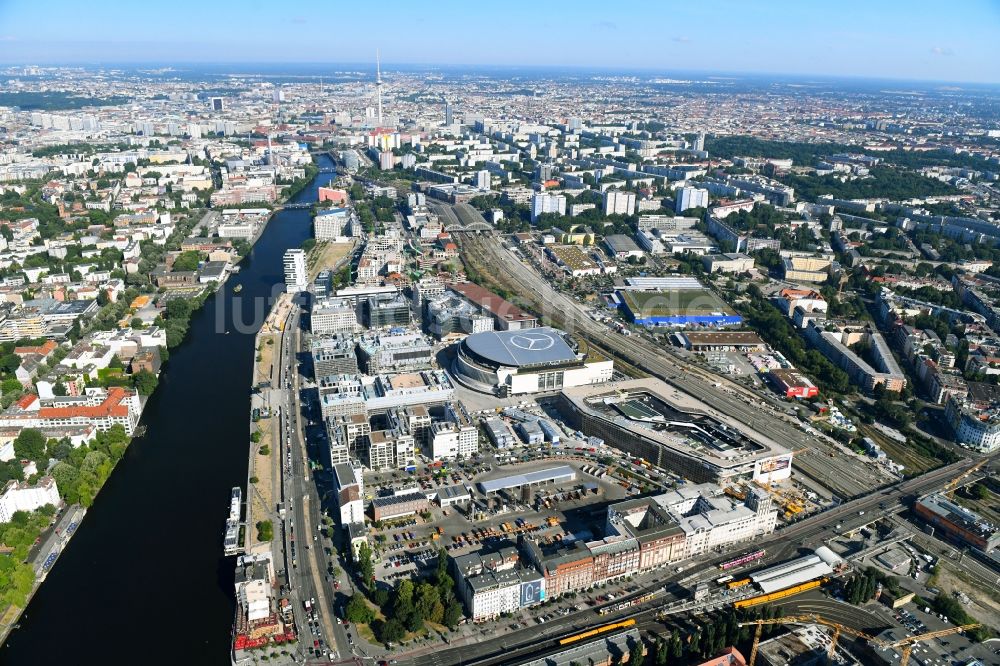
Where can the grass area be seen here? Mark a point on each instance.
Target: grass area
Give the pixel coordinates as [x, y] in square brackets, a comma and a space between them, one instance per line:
[690, 302]
[260, 495]
[326, 255]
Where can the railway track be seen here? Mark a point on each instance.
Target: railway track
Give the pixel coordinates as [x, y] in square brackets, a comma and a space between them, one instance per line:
[822, 460]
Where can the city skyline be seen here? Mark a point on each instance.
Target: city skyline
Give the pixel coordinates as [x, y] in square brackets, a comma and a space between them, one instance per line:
[889, 41]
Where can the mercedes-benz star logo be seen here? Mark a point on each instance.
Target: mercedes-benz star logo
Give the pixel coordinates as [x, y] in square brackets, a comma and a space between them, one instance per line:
[532, 341]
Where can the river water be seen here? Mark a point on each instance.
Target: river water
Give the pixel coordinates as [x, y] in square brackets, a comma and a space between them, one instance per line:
[144, 580]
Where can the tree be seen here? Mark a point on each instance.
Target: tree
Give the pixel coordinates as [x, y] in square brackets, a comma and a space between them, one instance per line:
[30, 445]
[265, 530]
[187, 261]
[59, 389]
[145, 382]
[358, 611]
[10, 362]
[365, 565]
[453, 614]
[390, 631]
[11, 470]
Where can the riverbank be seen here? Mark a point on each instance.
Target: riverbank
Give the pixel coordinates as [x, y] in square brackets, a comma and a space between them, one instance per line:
[177, 476]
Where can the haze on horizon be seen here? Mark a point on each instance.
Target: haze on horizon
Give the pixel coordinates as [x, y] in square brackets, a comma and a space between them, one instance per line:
[894, 39]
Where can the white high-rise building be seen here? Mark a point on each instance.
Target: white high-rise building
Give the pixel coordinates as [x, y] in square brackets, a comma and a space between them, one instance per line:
[689, 197]
[699, 141]
[483, 180]
[617, 202]
[296, 276]
[547, 203]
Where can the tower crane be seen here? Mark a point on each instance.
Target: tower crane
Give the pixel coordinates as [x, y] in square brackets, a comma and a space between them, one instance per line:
[803, 619]
[905, 645]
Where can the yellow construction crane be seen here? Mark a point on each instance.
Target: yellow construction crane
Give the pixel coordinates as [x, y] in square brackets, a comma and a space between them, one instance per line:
[949, 489]
[803, 619]
[905, 645]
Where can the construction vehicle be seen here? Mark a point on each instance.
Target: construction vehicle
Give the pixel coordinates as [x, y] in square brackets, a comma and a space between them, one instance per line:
[905, 645]
[735, 494]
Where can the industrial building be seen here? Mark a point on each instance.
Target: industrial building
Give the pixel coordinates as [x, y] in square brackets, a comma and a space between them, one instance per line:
[681, 307]
[956, 523]
[398, 506]
[547, 476]
[672, 430]
[704, 341]
[791, 383]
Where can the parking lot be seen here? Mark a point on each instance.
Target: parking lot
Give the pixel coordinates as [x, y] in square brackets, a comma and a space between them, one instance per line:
[548, 513]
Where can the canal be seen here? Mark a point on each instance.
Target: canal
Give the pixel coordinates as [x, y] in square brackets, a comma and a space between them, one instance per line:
[144, 580]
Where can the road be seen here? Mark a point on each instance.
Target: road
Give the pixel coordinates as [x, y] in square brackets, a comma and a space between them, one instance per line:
[306, 576]
[781, 545]
[819, 458]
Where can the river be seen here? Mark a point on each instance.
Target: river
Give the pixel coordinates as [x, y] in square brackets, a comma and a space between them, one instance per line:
[144, 579]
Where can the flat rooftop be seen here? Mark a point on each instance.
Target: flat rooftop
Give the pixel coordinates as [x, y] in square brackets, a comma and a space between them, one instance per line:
[723, 338]
[561, 473]
[658, 412]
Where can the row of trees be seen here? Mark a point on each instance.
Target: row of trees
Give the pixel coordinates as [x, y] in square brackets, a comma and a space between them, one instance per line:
[708, 636]
[17, 576]
[861, 588]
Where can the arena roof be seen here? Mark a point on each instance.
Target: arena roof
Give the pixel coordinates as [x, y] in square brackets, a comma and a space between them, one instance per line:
[562, 473]
[531, 346]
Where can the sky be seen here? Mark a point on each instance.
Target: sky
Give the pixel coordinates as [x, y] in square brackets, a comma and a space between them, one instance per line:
[914, 39]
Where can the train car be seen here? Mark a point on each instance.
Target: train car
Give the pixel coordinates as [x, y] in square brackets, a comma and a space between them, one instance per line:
[780, 594]
[624, 624]
[743, 559]
[734, 584]
[723, 580]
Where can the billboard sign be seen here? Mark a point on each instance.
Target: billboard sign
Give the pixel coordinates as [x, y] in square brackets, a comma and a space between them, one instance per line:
[532, 592]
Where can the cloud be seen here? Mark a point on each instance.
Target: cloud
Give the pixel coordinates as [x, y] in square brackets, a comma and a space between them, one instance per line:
[942, 51]
[8, 38]
[682, 40]
[606, 25]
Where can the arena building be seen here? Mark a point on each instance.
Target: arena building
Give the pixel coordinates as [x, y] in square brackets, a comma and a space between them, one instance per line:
[526, 361]
[673, 430]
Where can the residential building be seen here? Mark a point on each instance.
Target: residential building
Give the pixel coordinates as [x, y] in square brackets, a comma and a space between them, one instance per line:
[542, 202]
[689, 197]
[617, 202]
[296, 275]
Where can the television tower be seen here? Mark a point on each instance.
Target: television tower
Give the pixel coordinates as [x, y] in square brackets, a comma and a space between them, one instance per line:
[378, 88]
